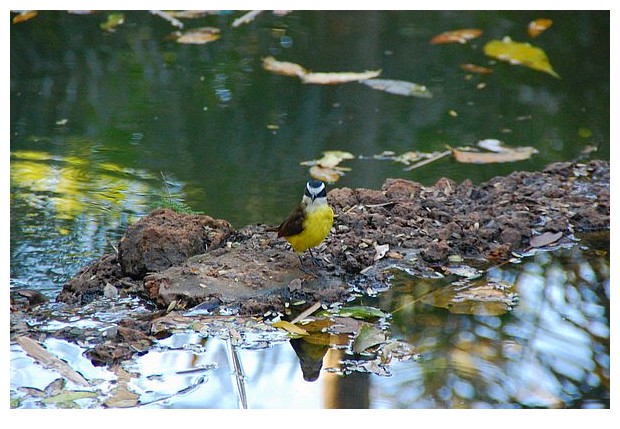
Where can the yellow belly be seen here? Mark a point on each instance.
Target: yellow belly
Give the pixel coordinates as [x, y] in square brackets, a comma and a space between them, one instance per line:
[316, 226]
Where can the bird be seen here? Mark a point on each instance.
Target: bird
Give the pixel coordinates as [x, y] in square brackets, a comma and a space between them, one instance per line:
[311, 221]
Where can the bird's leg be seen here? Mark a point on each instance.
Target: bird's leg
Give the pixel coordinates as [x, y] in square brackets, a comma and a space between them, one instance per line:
[303, 267]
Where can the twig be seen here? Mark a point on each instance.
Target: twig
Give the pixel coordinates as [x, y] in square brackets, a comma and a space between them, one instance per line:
[429, 160]
[307, 312]
[171, 19]
[248, 17]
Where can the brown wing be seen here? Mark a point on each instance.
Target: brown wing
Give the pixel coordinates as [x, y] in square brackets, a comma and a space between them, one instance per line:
[293, 224]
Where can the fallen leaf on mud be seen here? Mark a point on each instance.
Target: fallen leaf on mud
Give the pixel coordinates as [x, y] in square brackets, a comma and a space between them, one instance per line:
[481, 298]
[283, 68]
[24, 15]
[536, 27]
[199, 36]
[381, 250]
[122, 397]
[368, 336]
[472, 68]
[65, 398]
[41, 355]
[545, 239]
[520, 53]
[289, 327]
[114, 20]
[507, 154]
[456, 36]
[338, 77]
[399, 87]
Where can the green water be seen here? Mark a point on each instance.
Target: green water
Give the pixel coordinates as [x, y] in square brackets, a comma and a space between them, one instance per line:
[97, 117]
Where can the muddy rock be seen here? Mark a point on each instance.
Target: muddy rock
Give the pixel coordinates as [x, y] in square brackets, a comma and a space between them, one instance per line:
[89, 283]
[165, 238]
[187, 261]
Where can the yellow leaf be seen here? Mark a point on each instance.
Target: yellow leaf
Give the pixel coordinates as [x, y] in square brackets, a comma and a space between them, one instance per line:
[199, 36]
[336, 78]
[456, 36]
[289, 327]
[519, 53]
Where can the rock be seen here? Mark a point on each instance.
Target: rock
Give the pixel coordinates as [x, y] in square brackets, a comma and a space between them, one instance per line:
[165, 238]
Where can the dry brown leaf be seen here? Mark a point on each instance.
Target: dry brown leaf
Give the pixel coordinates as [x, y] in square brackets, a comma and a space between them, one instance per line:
[24, 16]
[199, 36]
[536, 27]
[41, 355]
[289, 327]
[473, 68]
[326, 174]
[545, 239]
[456, 36]
[283, 68]
[512, 155]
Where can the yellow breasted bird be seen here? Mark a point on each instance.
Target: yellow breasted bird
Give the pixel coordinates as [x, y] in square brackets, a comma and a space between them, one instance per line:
[308, 225]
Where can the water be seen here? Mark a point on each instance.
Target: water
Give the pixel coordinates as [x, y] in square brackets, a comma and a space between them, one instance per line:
[97, 118]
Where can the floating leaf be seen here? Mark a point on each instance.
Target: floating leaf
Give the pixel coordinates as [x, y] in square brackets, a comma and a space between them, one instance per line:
[114, 20]
[399, 87]
[456, 36]
[500, 153]
[331, 158]
[337, 78]
[283, 67]
[520, 53]
[537, 26]
[360, 312]
[24, 15]
[545, 239]
[482, 298]
[289, 327]
[292, 69]
[325, 174]
[187, 14]
[472, 68]
[199, 36]
[368, 336]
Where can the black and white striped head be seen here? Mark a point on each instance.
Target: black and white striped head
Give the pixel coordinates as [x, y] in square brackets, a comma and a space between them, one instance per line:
[315, 192]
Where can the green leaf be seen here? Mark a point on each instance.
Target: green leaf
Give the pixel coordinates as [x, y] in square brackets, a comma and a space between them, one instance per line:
[520, 53]
[361, 312]
[367, 337]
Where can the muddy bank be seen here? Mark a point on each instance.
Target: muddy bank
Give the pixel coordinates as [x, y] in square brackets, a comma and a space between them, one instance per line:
[184, 261]
[177, 262]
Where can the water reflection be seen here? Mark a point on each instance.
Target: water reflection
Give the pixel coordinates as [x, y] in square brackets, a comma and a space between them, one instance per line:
[551, 351]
